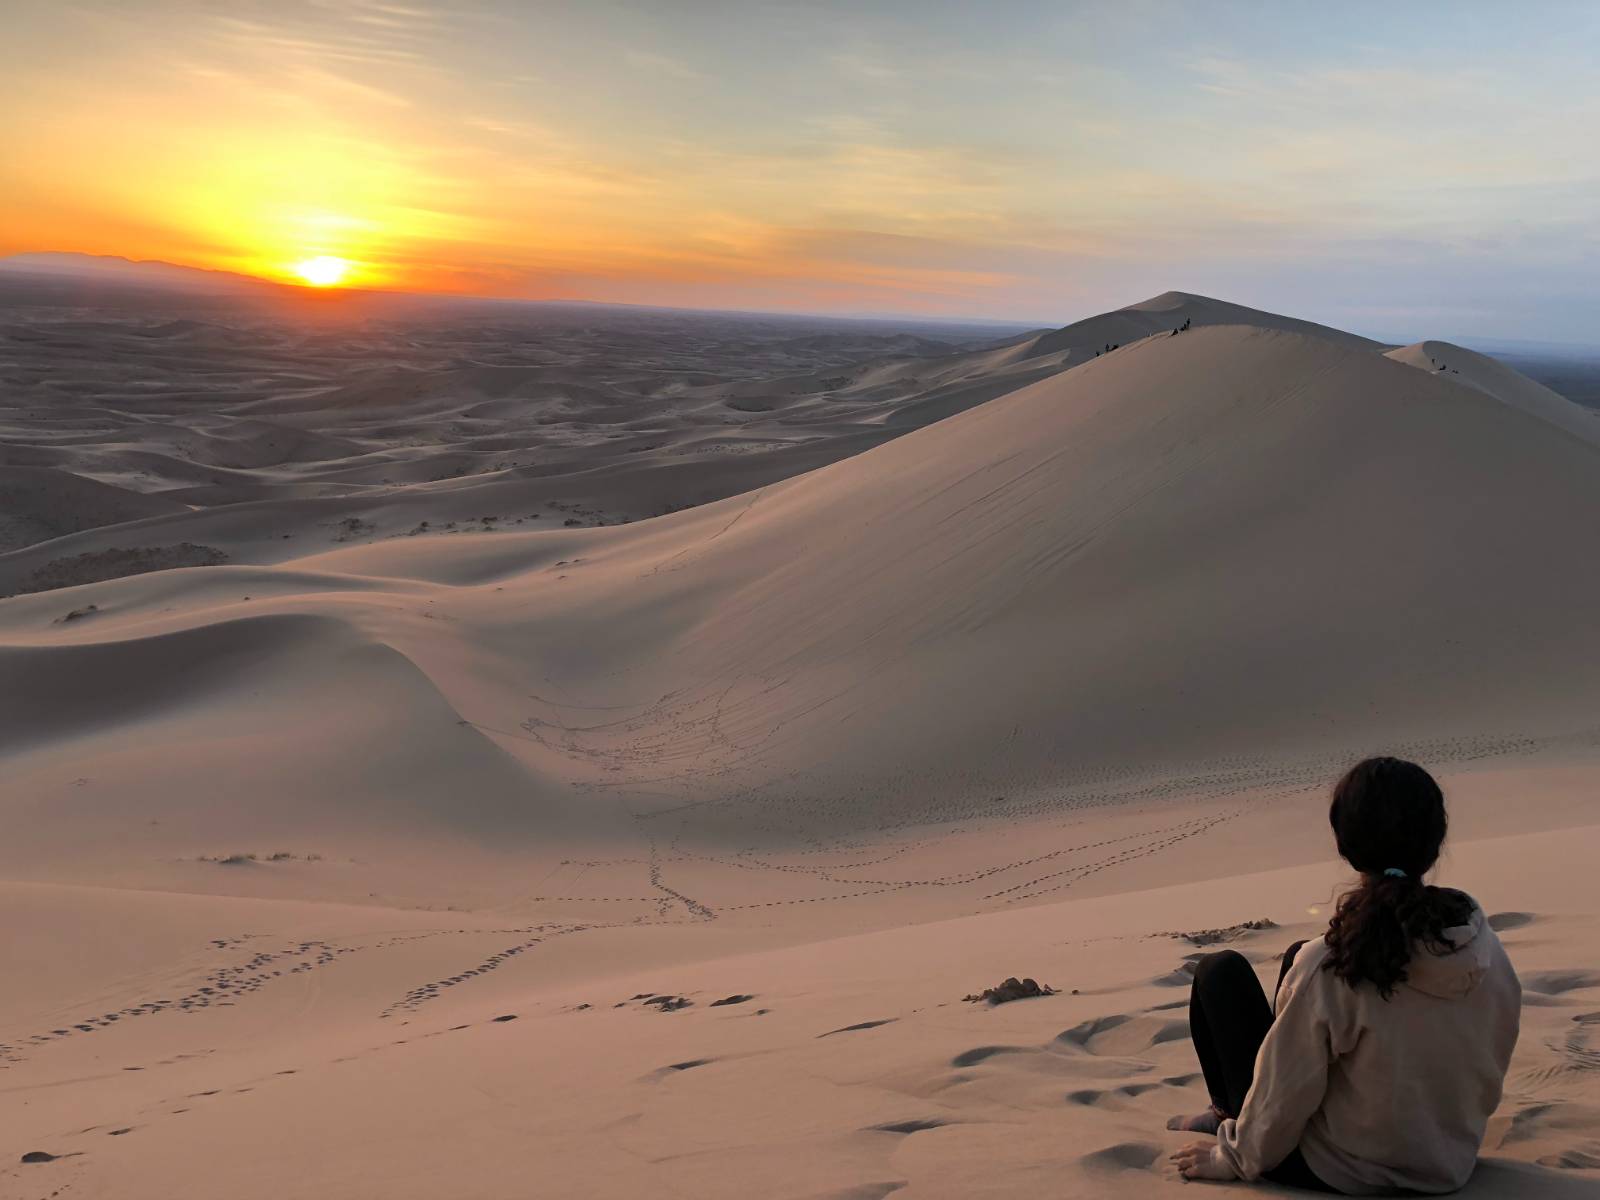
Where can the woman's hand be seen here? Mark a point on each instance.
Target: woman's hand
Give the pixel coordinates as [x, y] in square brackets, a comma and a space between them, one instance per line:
[1200, 1160]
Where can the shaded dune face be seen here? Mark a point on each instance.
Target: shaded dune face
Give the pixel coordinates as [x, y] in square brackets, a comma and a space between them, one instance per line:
[1235, 545]
[38, 503]
[1460, 365]
[1198, 546]
[275, 725]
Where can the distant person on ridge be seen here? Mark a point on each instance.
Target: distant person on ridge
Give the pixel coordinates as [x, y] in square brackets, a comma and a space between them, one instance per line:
[1384, 1054]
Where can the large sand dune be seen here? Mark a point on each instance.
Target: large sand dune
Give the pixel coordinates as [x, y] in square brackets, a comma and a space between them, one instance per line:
[1030, 683]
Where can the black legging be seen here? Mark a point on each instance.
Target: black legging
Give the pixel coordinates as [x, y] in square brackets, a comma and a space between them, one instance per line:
[1229, 1017]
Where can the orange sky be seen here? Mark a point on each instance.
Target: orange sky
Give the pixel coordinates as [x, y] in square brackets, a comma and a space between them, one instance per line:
[1018, 161]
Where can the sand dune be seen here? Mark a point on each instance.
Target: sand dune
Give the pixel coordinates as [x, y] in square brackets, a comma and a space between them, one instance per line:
[1501, 382]
[38, 504]
[1159, 532]
[395, 848]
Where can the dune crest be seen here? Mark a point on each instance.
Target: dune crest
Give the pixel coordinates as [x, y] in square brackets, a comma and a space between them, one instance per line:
[1503, 383]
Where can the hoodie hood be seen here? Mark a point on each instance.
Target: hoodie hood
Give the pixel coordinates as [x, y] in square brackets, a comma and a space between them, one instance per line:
[1451, 976]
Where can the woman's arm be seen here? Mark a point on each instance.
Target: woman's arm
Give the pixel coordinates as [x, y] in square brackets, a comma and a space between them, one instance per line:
[1291, 1078]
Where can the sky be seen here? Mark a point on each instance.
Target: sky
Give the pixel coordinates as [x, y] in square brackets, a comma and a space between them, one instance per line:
[1405, 169]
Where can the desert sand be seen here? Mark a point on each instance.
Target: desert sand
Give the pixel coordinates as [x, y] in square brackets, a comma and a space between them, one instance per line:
[512, 765]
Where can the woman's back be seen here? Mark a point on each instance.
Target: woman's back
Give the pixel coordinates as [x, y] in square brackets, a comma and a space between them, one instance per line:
[1384, 1055]
[1411, 1080]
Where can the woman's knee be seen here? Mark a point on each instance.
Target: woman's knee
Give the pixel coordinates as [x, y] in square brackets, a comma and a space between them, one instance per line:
[1220, 967]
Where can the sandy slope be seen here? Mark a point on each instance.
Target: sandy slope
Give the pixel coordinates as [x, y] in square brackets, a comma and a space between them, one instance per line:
[1024, 691]
[38, 504]
[1503, 383]
[852, 1069]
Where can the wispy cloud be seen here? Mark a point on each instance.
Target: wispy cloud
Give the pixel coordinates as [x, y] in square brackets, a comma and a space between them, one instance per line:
[660, 64]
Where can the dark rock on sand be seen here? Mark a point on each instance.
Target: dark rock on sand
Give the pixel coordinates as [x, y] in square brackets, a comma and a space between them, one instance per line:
[1011, 989]
[1210, 937]
[670, 1003]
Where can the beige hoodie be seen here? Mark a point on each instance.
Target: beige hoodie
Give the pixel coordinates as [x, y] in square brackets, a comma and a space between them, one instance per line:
[1381, 1094]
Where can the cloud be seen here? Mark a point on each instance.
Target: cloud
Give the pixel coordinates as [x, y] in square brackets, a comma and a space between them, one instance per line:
[660, 64]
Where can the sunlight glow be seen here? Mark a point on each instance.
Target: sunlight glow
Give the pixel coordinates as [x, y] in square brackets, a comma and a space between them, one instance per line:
[322, 271]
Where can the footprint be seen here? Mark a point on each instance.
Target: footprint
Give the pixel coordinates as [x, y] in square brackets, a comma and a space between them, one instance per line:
[1182, 977]
[1502, 921]
[1081, 1034]
[1109, 1098]
[1555, 983]
[914, 1126]
[863, 1191]
[1578, 1158]
[971, 1058]
[1124, 1156]
[1125, 1037]
[859, 1027]
[1539, 1120]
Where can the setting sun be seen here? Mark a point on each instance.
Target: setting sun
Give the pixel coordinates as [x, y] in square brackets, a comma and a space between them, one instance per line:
[322, 271]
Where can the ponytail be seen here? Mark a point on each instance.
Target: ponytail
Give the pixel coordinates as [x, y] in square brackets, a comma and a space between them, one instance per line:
[1388, 818]
[1378, 923]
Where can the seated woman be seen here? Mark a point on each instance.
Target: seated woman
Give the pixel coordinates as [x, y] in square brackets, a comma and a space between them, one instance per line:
[1383, 1055]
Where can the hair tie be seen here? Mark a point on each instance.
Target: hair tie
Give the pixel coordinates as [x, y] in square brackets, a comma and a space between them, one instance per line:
[1395, 871]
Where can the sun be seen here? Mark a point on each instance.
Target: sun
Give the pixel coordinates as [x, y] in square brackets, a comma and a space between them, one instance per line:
[322, 271]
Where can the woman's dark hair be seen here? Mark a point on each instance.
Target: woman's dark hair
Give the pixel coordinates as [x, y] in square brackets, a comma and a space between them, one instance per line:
[1389, 822]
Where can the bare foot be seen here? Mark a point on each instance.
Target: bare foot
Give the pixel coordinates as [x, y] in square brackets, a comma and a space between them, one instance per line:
[1204, 1122]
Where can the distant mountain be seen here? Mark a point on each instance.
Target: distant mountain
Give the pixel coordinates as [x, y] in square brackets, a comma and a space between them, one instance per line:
[108, 269]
